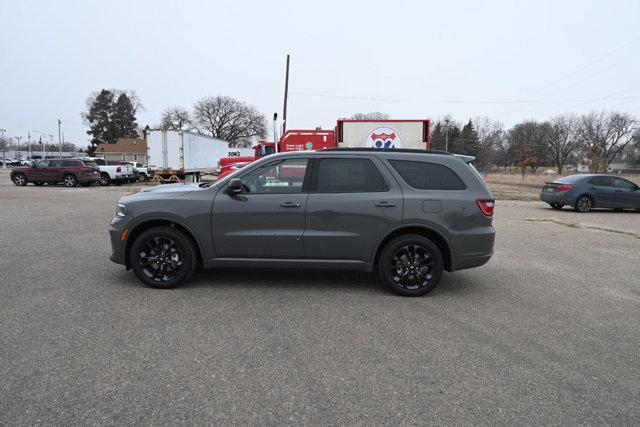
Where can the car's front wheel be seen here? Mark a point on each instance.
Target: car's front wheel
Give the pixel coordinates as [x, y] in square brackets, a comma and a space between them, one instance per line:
[142, 177]
[163, 257]
[20, 179]
[410, 265]
[583, 204]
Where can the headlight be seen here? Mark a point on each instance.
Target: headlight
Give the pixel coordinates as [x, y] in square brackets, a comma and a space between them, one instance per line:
[121, 210]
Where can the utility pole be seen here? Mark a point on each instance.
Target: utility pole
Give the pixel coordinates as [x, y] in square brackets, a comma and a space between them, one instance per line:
[29, 144]
[446, 135]
[4, 157]
[275, 132]
[59, 138]
[286, 94]
[51, 141]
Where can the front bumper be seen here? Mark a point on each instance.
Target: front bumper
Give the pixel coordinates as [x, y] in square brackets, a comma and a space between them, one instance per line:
[116, 228]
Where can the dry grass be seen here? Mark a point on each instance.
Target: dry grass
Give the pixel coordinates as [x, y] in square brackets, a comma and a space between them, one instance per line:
[531, 180]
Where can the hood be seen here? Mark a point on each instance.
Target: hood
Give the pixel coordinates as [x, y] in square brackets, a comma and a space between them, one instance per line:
[166, 191]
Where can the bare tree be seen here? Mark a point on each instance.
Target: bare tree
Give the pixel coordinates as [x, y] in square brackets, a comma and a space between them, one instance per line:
[229, 119]
[604, 136]
[561, 139]
[491, 139]
[527, 144]
[175, 118]
[374, 115]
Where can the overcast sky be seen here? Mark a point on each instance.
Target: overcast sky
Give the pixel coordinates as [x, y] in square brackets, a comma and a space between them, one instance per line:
[408, 59]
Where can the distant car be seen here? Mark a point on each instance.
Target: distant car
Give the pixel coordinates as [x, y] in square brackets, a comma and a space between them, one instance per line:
[9, 162]
[586, 191]
[112, 171]
[140, 172]
[71, 172]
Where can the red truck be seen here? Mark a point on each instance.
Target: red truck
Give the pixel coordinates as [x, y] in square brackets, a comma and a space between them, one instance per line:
[383, 134]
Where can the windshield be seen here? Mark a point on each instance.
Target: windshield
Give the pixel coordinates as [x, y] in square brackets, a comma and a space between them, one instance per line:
[90, 164]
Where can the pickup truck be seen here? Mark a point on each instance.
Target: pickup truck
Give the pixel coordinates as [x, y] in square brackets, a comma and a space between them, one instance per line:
[140, 172]
[113, 171]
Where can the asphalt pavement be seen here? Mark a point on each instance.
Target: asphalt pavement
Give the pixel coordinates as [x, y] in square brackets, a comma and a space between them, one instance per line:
[547, 333]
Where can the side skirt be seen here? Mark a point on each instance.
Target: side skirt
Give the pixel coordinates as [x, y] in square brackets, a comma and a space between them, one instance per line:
[288, 263]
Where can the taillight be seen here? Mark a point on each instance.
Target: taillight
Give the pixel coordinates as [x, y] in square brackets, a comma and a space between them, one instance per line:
[565, 188]
[486, 206]
[118, 169]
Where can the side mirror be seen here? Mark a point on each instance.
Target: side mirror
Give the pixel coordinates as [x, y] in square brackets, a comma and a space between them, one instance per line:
[235, 186]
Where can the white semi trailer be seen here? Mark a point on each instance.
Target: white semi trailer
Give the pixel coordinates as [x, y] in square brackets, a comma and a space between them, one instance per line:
[174, 155]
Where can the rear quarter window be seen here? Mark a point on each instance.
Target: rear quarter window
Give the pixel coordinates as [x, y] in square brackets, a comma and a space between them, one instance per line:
[69, 163]
[428, 176]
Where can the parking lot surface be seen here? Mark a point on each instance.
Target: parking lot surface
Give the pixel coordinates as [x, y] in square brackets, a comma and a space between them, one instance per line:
[547, 332]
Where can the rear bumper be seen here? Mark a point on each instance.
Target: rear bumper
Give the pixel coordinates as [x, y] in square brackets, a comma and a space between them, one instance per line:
[473, 249]
[560, 198]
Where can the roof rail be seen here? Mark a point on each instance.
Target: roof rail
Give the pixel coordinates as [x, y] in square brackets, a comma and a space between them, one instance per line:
[392, 150]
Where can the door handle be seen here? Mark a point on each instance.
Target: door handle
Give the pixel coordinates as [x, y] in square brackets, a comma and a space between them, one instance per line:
[385, 204]
[290, 205]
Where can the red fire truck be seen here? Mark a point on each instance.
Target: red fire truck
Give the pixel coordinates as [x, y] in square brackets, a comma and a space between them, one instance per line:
[382, 134]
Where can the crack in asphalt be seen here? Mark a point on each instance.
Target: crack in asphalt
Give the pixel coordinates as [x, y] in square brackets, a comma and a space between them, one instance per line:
[586, 225]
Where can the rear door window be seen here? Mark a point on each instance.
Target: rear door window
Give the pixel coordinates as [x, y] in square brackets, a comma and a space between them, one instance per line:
[349, 176]
[69, 163]
[55, 163]
[600, 181]
[428, 176]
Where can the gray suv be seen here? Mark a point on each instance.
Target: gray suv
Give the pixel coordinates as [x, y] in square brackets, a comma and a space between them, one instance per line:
[409, 214]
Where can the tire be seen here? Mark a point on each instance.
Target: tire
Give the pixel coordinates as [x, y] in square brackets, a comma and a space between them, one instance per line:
[69, 180]
[142, 178]
[19, 179]
[170, 243]
[421, 265]
[104, 179]
[39, 184]
[583, 204]
[556, 206]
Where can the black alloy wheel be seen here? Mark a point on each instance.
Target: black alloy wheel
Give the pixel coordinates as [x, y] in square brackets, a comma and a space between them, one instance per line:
[163, 257]
[411, 265]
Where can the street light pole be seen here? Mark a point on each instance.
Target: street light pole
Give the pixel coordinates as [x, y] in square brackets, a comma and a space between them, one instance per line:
[59, 138]
[43, 143]
[4, 158]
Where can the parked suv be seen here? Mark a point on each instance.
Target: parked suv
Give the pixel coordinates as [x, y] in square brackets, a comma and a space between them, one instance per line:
[409, 214]
[71, 172]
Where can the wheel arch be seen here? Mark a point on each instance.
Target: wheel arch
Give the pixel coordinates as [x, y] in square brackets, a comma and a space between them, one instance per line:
[150, 223]
[422, 230]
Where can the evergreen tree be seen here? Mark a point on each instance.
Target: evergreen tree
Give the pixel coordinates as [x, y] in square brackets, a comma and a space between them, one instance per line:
[468, 141]
[124, 117]
[111, 114]
[99, 116]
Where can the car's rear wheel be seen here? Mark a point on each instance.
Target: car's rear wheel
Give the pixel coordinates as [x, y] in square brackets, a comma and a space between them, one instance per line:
[69, 180]
[104, 179]
[583, 204]
[556, 206]
[163, 257]
[20, 179]
[410, 265]
[142, 177]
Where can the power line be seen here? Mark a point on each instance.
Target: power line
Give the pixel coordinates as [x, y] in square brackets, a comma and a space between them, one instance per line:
[458, 101]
